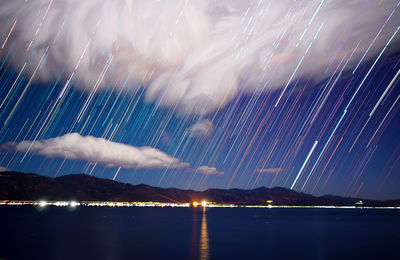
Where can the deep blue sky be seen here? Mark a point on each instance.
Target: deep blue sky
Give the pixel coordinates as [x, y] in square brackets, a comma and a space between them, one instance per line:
[319, 138]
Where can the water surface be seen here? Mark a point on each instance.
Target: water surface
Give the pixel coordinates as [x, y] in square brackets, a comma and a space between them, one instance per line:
[192, 233]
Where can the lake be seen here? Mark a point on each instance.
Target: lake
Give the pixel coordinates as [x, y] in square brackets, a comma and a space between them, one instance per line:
[28, 232]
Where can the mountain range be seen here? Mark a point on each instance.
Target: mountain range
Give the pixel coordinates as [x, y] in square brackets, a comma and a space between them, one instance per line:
[80, 187]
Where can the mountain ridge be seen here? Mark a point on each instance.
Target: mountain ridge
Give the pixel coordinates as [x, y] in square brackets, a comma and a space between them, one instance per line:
[81, 187]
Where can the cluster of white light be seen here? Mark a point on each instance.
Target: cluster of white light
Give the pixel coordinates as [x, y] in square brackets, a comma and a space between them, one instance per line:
[43, 203]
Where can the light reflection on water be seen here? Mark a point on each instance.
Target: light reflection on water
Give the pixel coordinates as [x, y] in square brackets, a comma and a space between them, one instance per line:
[204, 242]
[200, 243]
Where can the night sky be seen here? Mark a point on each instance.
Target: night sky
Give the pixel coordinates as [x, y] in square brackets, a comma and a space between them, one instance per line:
[218, 94]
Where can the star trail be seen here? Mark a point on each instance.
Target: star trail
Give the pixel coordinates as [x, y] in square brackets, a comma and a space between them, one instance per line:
[218, 94]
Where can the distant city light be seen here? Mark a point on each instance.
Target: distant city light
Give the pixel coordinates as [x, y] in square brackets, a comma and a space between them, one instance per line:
[204, 204]
[74, 204]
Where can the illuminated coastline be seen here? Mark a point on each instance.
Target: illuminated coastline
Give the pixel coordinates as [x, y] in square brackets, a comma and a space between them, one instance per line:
[204, 204]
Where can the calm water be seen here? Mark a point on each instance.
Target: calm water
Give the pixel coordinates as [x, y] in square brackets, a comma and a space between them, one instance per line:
[187, 233]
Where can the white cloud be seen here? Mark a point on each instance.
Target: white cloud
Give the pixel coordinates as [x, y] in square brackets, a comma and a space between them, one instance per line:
[88, 148]
[202, 128]
[208, 170]
[196, 55]
[3, 169]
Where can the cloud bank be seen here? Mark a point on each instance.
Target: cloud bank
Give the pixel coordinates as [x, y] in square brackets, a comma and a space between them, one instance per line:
[193, 55]
[208, 170]
[202, 128]
[3, 169]
[98, 150]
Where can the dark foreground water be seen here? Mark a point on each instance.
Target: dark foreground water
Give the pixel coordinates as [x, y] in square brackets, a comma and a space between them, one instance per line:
[188, 233]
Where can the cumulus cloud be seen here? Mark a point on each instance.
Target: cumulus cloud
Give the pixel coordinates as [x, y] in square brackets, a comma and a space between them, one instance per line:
[87, 148]
[208, 170]
[202, 128]
[195, 55]
[269, 170]
[3, 169]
